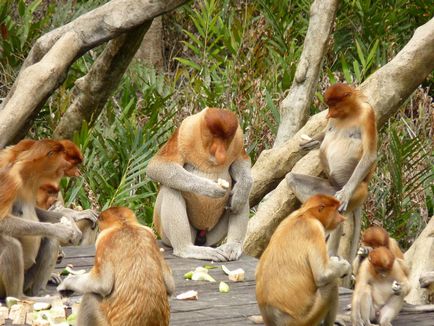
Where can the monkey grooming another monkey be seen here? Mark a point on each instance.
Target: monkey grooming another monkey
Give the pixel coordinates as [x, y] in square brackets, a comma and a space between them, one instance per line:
[130, 281]
[205, 179]
[296, 281]
[348, 153]
[381, 286]
[20, 237]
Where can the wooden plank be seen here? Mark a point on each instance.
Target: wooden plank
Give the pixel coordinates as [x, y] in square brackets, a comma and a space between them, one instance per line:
[213, 307]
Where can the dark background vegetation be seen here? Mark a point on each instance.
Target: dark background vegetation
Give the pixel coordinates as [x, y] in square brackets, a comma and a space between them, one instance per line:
[241, 55]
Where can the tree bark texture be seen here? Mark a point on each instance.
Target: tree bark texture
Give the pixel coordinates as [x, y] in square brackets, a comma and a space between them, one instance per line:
[50, 57]
[420, 257]
[151, 49]
[294, 109]
[91, 91]
[386, 90]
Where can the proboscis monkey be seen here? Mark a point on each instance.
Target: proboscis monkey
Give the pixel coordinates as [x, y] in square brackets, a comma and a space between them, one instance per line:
[381, 286]
[374, 237]
[130, 280]
[296, 281]
[20, 237]
[38, 269]
[205, 179]
[348, 153]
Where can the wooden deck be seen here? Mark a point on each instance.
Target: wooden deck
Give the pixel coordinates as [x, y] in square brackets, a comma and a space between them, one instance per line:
[213, 307]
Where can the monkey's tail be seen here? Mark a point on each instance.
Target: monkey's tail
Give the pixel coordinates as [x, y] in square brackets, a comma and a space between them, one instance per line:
[417, 308]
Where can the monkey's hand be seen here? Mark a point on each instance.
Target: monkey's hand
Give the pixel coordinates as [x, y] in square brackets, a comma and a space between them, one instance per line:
[210, 188]
[309, 144]
[67, 231]
[232, 250]
[66, 288]
[88, 214]
[364, 251]
[342, 267]
[344, 197]
[396, 288]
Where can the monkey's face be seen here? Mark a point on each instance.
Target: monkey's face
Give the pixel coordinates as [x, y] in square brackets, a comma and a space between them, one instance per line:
[74, 157]
[382, 260]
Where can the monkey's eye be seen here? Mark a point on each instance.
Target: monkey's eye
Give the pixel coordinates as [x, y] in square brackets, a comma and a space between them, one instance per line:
[50, 153]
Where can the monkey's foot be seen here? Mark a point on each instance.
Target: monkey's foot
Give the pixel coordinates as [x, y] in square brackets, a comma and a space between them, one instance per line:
[233, 250]
[204, 253]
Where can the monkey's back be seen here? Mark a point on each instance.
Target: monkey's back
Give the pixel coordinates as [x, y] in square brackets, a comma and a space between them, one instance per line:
[284, 278]
[139, 295]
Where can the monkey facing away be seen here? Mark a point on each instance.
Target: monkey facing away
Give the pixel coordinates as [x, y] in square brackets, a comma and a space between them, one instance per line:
[130, 281]
[20, 237]
[348, 152]
[381, 286]
[296, 281]
[194, 212]
[374, 237]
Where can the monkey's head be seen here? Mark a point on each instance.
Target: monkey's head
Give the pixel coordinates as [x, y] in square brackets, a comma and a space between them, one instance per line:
[116, 216]
[382, 260]
[339, 98]
[47, 195]
[44, 160]
[375, 236]
[73, 156]
[325, 209]
[218, 130]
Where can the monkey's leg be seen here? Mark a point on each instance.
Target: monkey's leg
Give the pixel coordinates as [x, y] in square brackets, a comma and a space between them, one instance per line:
[357, 216]
[236, 231]
[90, 313]
[390, 310]
[305, 186]
[37, 276]
[176, 228]
[11, 266]
[275, 317]
[332, 294]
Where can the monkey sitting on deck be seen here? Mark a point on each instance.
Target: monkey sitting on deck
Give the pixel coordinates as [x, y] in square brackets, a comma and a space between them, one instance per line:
[296, 281]
[381, 286]
[130, 281]
[205, 179]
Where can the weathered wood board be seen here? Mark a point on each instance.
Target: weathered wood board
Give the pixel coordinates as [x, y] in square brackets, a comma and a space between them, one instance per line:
[213, 307]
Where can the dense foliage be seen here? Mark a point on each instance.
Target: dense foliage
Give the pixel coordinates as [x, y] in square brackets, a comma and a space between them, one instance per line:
[241, 55]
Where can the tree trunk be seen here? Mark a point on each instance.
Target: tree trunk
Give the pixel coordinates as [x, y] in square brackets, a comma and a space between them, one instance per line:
[294, 109]
[92, 91]
[420, 258]
[386, 90]
[46, 66]
[151, 49]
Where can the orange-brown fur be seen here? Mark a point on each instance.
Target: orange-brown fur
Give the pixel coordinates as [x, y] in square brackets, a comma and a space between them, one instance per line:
[139, 295]
[376, 236]
[285, 273]
[221, 137]
[381, 285]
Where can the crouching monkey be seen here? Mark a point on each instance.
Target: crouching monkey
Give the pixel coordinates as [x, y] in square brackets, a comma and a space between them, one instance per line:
[348, 153]
[296, 281]
[193, 211]
[374, 237]
[130, 280]
[381, 286]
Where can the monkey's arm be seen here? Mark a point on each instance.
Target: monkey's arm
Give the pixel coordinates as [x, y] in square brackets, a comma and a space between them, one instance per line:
[362, 253]
[17, 227]
[91, 282]
[240, 171]
[54, 216]
[173, 175]
[369, 156]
